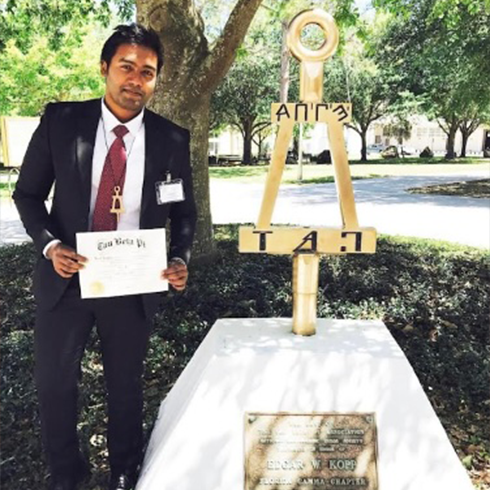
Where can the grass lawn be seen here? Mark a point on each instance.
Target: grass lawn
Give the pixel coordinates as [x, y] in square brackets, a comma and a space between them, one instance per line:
[4, 188]
[433, 297]
[324, 173]
[418, 160]
[312, 174]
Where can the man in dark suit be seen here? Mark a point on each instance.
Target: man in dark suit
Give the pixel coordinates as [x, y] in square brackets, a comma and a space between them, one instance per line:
[87, 150]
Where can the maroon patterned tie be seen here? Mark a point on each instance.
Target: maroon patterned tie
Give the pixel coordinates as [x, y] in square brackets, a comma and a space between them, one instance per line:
[113, 175]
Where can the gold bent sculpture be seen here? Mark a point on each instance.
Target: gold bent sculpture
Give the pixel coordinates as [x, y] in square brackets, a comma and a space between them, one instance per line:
[306, 244]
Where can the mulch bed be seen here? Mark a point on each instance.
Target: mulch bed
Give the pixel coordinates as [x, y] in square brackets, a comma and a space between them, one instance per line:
[471, 188]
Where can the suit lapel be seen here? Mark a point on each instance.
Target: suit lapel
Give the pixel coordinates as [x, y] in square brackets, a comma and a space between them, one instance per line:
[157, 153]
[86, 133]
[156, 163]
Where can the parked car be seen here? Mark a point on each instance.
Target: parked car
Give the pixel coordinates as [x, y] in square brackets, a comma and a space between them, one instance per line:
[426, 153]
[393, 151]
[375, 148]
[324, 157]
[390, 152]
[292, 158]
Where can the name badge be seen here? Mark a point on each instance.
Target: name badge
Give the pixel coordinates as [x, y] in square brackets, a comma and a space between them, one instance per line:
[170, 191]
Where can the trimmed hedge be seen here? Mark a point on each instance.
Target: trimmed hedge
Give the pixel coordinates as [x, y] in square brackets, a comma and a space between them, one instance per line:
[434, 298]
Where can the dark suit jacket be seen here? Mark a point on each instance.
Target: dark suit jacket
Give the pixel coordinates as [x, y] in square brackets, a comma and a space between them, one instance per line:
[61, 151]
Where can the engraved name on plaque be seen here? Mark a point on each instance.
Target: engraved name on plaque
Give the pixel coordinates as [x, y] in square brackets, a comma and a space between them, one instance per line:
[317, 451]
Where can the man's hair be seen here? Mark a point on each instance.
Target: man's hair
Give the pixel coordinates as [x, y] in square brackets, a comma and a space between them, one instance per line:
[132, 34]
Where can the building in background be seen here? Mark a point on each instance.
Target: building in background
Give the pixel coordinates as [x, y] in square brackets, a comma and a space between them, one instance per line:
[424, 134]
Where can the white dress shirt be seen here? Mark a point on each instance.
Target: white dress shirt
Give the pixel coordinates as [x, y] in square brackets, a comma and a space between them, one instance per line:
[134, 141]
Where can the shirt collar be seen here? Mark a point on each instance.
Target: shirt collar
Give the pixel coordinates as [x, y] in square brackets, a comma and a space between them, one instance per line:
[111, 121]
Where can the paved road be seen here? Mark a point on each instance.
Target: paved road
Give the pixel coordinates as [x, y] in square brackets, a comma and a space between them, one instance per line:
[382, 203]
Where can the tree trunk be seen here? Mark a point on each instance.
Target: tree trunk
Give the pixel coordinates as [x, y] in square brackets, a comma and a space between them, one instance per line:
[295, 146]
[195, 117]
[285, 57]
[191, 72]
[363, 133]
[450, 127]
[464, 143]
[259, 139]
[467, 127]
[451, 137]
[300, 153]
[260, 142]
[247, 142]
[204, 245]
[176, 100]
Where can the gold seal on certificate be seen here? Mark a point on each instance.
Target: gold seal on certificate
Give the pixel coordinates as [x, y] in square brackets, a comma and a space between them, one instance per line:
[96, 288]
[121, 263]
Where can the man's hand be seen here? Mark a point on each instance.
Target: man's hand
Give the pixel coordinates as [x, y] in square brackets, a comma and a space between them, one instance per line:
[176, 274]
[66, 261]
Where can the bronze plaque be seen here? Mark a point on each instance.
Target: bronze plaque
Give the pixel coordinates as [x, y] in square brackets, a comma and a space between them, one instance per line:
[316, 451]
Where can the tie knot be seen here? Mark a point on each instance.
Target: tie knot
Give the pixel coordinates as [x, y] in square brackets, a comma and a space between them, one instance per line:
[120, 131]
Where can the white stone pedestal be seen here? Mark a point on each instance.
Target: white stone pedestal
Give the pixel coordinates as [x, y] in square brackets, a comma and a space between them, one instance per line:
[258, 365]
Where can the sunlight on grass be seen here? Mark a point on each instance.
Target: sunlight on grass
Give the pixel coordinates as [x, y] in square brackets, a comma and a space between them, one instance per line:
[237, 172]
[4, 189]
[329, 179]
[320, 174]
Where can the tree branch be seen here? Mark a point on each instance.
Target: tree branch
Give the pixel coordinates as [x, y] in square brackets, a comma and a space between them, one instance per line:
[217, 64]
[370, 113]
[474, 127]
[441, 125]
[259, 127]
[239, 127]
[357, 130]
[374, 113]
[469, 126]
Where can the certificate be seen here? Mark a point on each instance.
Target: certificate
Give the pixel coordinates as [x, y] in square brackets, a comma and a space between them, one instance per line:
[122, 262]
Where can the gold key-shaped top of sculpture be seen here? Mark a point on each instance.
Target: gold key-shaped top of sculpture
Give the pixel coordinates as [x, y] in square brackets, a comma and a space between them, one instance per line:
[304, 243]
[311, 70]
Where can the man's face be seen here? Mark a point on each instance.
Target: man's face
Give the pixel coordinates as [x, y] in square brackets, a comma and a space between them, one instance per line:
[130, 79]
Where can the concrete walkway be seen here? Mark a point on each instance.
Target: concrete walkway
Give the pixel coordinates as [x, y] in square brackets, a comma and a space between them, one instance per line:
[382, 203]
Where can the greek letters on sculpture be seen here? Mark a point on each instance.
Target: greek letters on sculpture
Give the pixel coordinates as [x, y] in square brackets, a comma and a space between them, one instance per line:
[306, 244]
